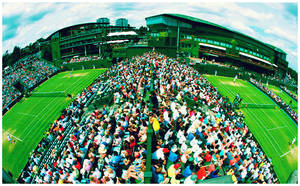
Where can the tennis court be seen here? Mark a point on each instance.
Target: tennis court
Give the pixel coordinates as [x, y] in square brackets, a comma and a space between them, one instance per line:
[295, 93]
[284, 96]
[26, 122]
[273, 128]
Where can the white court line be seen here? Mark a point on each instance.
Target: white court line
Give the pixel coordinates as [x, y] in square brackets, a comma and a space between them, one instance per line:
[27, 114]
[13, 136]
[287, 152]
[277, 128]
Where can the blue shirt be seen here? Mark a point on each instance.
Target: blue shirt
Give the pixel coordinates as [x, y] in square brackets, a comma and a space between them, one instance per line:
[115, 160]
[190, 136]
[160, 178]
[173, 157]
[229, 156]
[187, 172]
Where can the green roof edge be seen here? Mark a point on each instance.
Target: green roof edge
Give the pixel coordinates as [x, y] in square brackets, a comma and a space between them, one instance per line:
[194, 19]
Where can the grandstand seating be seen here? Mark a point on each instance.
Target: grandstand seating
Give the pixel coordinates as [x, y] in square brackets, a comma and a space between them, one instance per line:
[30, 71]
[189, 143]
[295, 97]
[82, 59]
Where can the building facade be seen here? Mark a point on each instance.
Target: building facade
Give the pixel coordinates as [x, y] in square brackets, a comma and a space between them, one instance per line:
[122, 22]
[87, 39]
[197, 38]
[104, 21]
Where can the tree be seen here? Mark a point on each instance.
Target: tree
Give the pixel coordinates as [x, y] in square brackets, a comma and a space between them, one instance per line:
[142, 31]
[16, 55]
[47, 52]
[5, 59]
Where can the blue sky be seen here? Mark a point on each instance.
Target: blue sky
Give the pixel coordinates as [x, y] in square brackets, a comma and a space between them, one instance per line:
[273, 23]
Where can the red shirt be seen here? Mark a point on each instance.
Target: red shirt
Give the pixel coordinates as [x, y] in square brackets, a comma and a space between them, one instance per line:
[207, 157]
[227, 129]
[129, 151]
[132, 144]
[201, 173]
[78, 166]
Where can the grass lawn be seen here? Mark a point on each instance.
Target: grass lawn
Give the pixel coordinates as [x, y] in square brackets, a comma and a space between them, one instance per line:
[284, 96]
[271, 127]
[295, 93]
[32, 116]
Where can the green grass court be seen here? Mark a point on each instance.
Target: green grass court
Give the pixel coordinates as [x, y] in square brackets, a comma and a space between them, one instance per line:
[284, 96]
[273, 128]
[32, 116]
[295, 93]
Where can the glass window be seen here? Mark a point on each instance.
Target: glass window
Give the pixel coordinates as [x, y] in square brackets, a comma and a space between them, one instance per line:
[230, 46]
[246, 50]
[222, 44]
[241, 49]
[209, 41]
[254, 53]
[250, 52]
[237, 48]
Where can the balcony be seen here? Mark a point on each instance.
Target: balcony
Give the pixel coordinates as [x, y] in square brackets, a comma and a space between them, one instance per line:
[92, 32]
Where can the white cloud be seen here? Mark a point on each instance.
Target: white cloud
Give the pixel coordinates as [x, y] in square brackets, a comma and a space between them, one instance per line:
[283, 33]
[274, 27]
[241, 26]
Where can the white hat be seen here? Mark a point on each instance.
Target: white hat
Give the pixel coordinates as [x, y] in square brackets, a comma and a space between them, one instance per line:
[102, 149]
[174, 148]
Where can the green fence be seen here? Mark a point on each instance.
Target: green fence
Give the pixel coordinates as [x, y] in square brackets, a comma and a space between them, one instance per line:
[253, 105]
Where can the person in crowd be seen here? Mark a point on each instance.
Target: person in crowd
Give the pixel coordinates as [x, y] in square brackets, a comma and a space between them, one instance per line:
[29, 71]
[188, 144]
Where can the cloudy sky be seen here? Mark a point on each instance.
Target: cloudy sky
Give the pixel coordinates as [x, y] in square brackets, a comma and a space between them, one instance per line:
[273, 23]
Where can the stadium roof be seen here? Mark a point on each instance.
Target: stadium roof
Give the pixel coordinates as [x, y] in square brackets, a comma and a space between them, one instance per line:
[197, 20]
[77, 25]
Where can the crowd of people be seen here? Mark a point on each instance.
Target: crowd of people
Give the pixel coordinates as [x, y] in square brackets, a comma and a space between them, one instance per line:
[192, 145]
[289, 92]
[30, 71]
[279, 101]
[82, 59]
[189, 143]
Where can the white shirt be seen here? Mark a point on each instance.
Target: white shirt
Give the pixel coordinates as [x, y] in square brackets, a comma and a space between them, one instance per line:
[175, 114]
[166, 116]
[160, 154]
[173, 106]
[97, 173]
[183, 110]
[183, 148]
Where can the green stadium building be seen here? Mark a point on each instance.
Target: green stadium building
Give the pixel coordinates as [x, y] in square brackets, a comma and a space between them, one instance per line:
[195, 37]
[88, 38]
